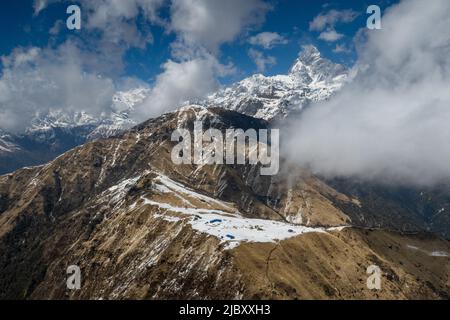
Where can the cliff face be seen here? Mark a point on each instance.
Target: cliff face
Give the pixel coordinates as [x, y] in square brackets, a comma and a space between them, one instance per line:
[141, 227]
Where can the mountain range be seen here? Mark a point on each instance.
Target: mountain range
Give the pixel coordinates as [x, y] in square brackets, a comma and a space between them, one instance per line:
[312, 78]
[140, 227]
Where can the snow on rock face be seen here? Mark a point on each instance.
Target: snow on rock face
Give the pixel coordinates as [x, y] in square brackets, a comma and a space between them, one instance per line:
[435, 253]
[312, 78]
[6, 143]
[108, 123]
[313, 67]
[164, 184]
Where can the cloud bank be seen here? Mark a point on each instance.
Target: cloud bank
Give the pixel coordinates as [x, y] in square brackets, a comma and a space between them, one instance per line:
[83, 73]
[36, 81]
[330, 35]
[391, 124]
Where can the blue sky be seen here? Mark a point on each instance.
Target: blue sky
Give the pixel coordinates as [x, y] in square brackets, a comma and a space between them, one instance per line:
[19, 27]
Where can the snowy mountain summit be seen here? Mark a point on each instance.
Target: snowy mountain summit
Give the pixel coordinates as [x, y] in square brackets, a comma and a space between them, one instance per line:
[312, 78]
[109, 122]
[53, 133]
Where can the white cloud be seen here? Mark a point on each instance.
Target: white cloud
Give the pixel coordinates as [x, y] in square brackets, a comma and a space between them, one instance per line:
[118, 19]
[325, 23]
[267, 40]
[35, 81]
[331, 19]
[330, 35]
[261, 60]
[180, 82]
[20, 57]
[391, 123]
[115, 19]
[341, 48]
[109, 29]
[208, 24]
[79, 75]
[57, 27]
[39, 5]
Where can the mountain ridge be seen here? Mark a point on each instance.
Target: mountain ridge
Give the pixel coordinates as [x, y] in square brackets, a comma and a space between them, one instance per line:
[141, 227]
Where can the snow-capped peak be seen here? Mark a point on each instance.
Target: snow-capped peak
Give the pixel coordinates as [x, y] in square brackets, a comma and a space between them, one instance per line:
[312, 66]
[311, 78]
[309, 54]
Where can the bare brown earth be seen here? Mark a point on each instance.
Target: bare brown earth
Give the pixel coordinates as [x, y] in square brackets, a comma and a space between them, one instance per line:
[88, 208]
[333, 266]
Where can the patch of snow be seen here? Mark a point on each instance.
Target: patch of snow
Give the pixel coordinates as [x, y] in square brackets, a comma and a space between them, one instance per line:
[189, 211]
[339, 228]
[439, 254]
[234, 229]
[115, 153]
[164, 184]
[118, 192]
[5, 149]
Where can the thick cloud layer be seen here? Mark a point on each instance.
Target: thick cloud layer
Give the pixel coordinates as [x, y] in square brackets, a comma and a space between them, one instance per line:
[36, 81]
[178, 83]
[391, 123]
[83, 73]
[67, 78]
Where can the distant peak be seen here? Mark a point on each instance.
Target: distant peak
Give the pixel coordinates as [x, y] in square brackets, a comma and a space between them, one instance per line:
[312, 66]
[309, 52]
[309, 55]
